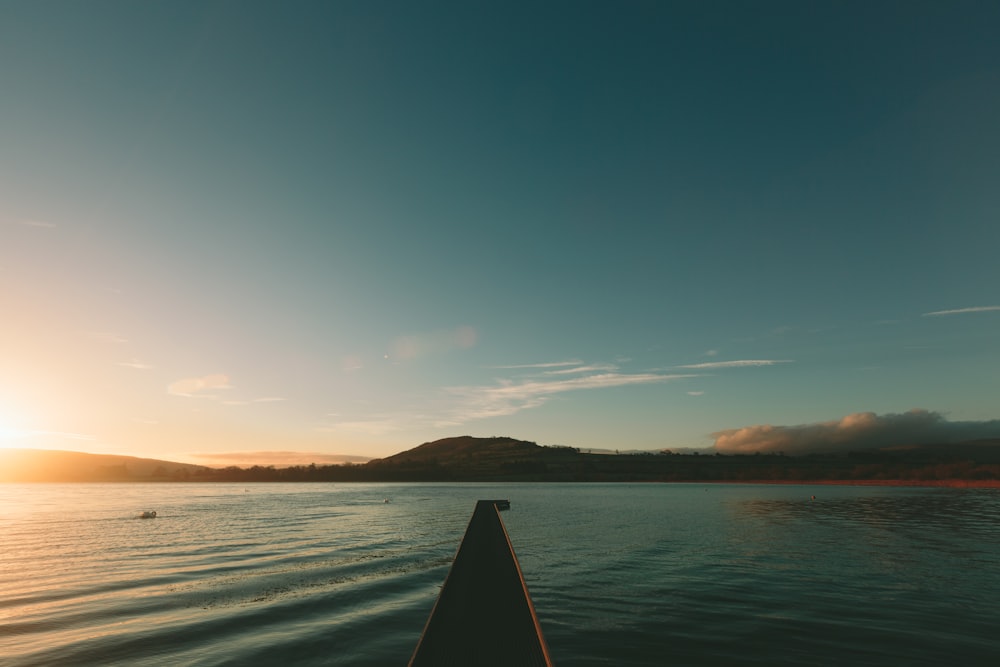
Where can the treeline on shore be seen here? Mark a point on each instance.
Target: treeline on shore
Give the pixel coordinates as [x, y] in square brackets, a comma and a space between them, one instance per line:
[504, 459]
[572, 466]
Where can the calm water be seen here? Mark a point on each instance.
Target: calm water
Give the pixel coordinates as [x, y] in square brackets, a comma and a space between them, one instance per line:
[646, 574]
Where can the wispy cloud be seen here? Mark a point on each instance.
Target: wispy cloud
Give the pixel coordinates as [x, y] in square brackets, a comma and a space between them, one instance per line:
[550, 364]
[593, 368]
[696, 393]
[739, 363]
[106, 337]
[507, 398]
[453, 406]
[136, 364]
[266, 399]
[711, 353]
[862, 430]
[38, 224]
[30, 433]
[415, 346]
[962, 311]
[196, 386]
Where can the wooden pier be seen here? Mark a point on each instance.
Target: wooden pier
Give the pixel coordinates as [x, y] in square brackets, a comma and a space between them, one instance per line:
[483, 615]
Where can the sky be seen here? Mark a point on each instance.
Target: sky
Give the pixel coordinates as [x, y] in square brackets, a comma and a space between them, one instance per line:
[347, 228]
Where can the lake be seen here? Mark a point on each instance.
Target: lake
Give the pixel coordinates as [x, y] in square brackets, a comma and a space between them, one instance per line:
[620, 574]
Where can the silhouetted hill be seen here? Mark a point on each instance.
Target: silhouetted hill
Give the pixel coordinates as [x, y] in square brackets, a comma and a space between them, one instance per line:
[48, 465]
[465, 448]
[467, 458]
[503, 459]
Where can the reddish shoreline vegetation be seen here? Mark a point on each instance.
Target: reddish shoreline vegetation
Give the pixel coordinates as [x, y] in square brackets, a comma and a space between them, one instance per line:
[942, 483]
[499, 459]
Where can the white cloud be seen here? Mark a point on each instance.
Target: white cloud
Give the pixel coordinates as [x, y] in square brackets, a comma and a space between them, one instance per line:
[696, 393]
[453, 406]
[862, 430]
[711, 353]
[962, 311]
[195, 386]
[740, 363]
[506, 398]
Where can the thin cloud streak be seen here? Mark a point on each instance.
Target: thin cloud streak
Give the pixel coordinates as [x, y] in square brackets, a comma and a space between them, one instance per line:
[551, 364]
[481, 402]
[106, 336]
[461, 404]
[189, 387]
[962, 311]
[595, 368]
[136, 364]
[739, 363]
[37, 224]
[15, 434]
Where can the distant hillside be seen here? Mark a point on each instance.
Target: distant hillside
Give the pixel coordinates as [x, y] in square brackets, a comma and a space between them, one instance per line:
[465, 448]
[470, 459]
[47, 465]
[467, 458]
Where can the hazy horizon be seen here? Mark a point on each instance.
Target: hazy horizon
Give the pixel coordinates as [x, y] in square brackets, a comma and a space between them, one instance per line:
[349, 228]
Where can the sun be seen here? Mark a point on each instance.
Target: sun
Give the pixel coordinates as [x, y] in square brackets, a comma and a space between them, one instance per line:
[9, 433]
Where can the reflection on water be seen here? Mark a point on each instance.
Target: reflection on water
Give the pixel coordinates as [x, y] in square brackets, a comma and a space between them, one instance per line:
[320, 574]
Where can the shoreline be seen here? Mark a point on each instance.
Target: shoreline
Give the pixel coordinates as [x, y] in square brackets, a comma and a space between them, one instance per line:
[942, 483]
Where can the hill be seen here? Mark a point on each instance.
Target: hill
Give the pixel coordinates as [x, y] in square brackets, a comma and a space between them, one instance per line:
[48, 465]
[503, 459]
[464, 449]
[470, 458]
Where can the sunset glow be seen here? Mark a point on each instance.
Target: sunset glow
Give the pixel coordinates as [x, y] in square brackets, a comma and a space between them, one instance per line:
[224, 235]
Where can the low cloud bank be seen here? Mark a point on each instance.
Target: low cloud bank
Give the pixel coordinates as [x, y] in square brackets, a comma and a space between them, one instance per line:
[862, 430]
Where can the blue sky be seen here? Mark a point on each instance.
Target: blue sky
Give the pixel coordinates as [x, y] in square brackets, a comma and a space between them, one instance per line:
[352, 227]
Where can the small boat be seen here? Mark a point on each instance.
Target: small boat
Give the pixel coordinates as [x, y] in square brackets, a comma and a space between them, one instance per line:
[502, 505]
[148, 515]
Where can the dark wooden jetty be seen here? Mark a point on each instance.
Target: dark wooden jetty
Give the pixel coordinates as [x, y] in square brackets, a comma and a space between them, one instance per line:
[483, 615]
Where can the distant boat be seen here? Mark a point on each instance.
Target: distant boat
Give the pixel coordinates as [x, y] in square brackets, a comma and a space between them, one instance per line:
[148, 515]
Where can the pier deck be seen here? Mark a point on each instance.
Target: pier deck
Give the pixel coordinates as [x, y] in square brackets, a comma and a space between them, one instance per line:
[483, 615]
